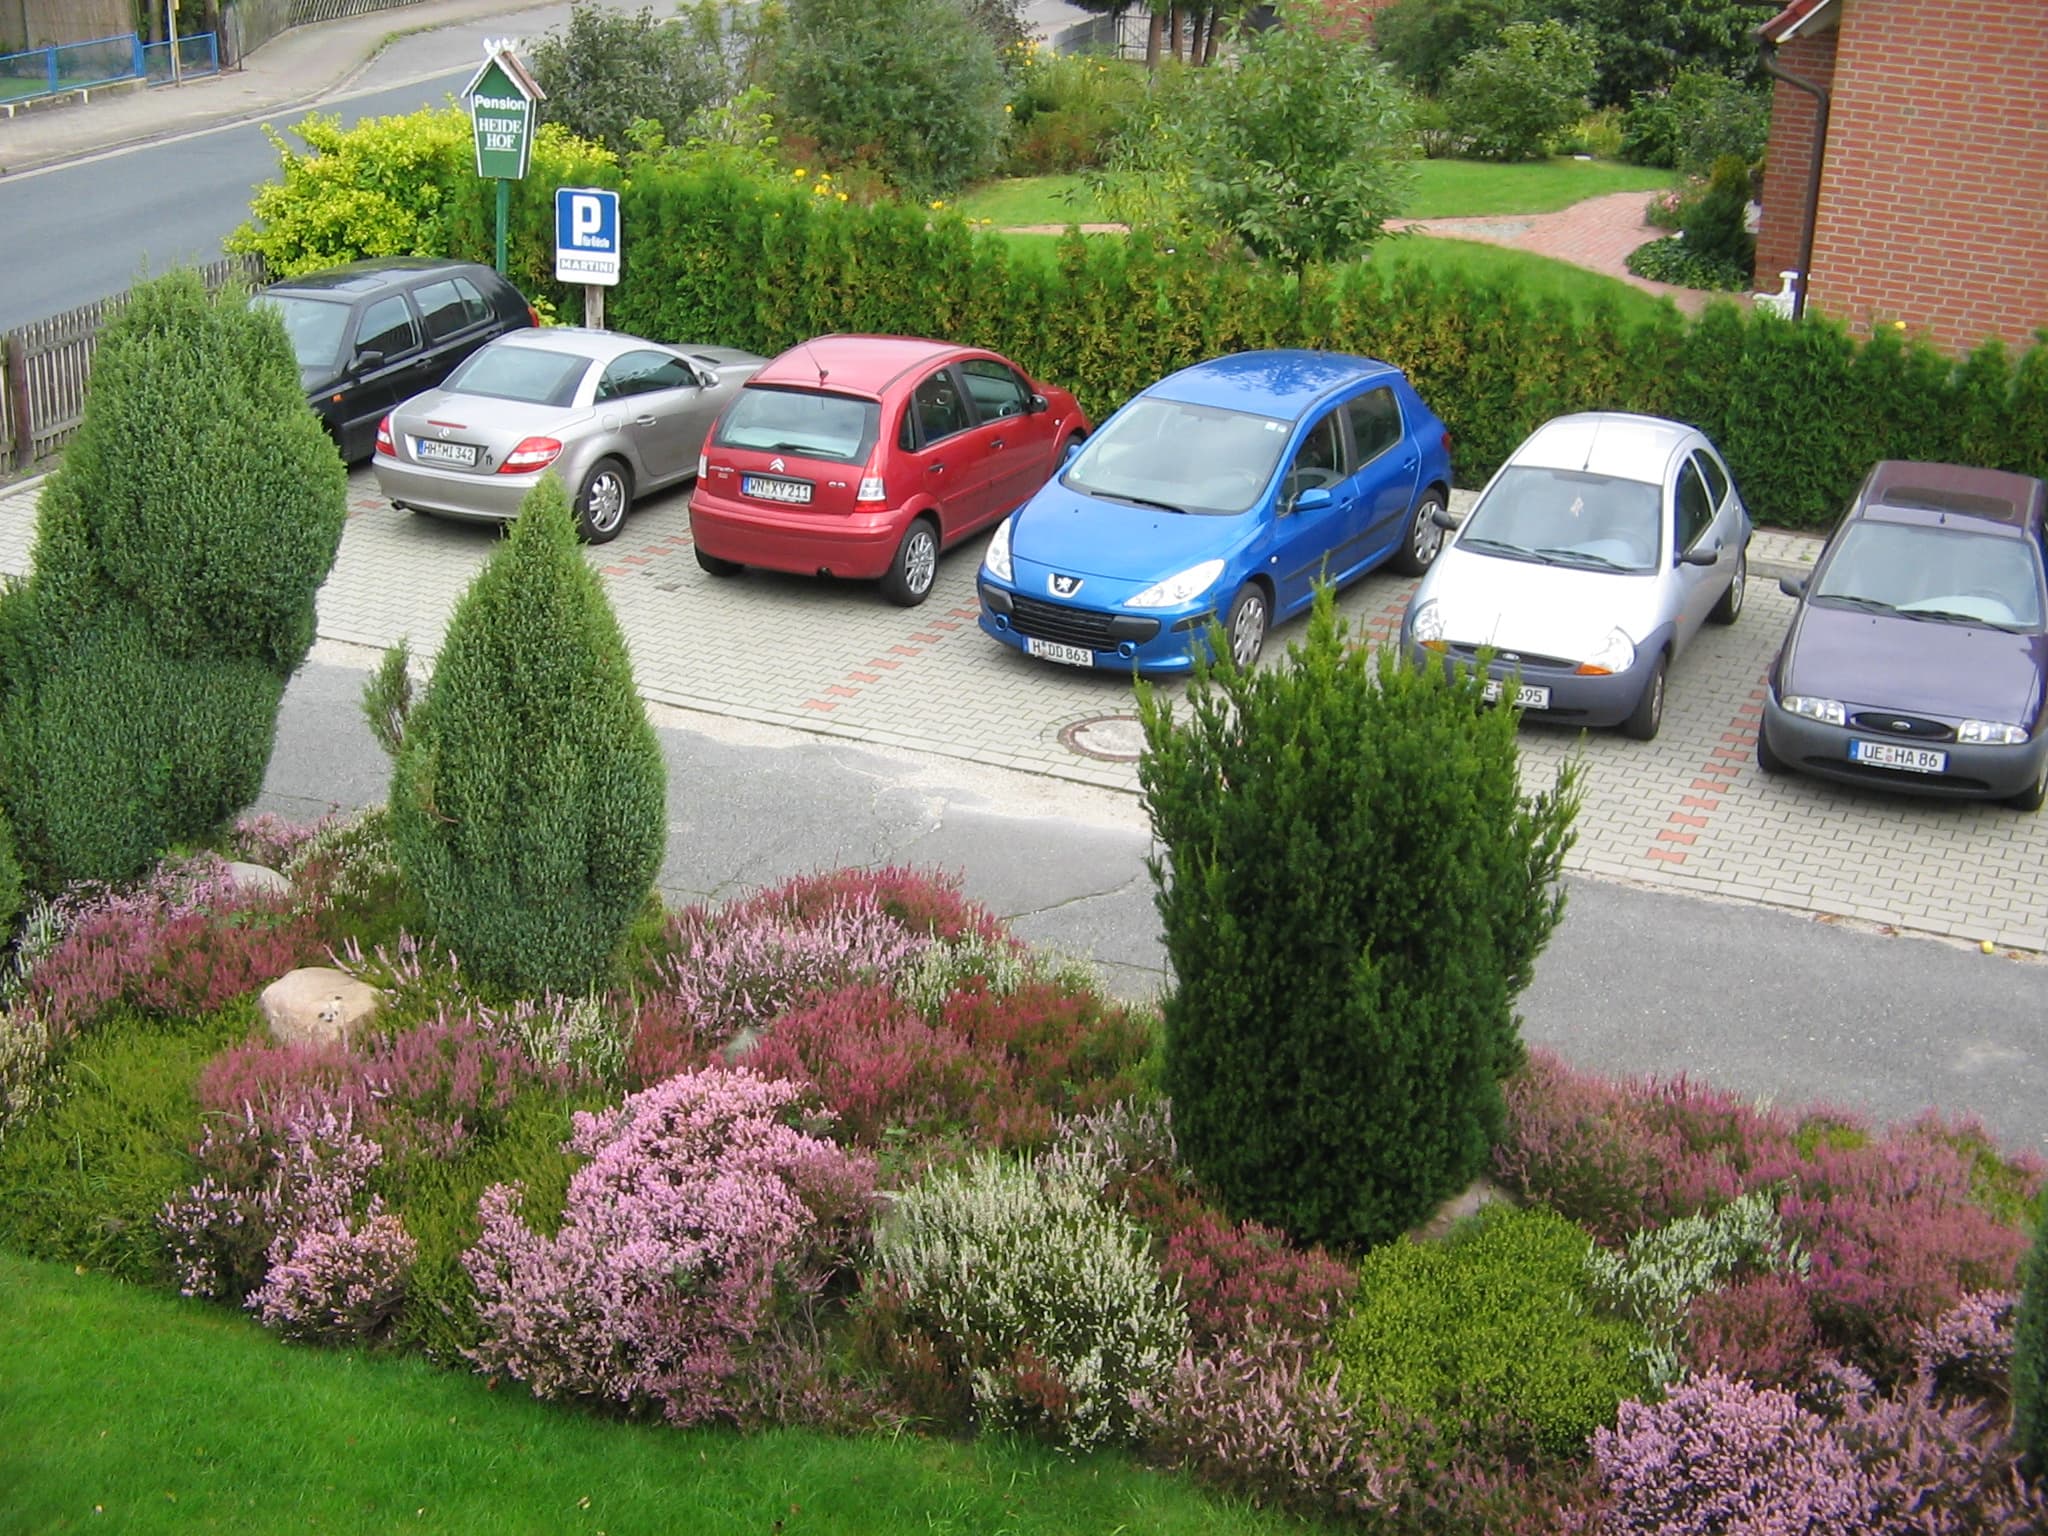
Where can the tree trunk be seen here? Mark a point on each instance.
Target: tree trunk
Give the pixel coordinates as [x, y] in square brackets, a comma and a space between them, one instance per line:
[1155, 34]
[1173, 30]
[1197, 15]
[1209, 42]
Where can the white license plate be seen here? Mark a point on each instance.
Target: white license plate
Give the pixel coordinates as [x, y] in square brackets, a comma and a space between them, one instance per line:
[1882, 754]
[431, 450]
[1527, 696]
[795, 492]
[1066, 655]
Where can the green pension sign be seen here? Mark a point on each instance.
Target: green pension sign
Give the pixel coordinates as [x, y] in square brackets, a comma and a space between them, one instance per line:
[502, 97]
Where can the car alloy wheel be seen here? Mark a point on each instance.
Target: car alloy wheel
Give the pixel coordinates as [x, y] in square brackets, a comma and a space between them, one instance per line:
[915, 567]
[1246, 624]
[601, 508]
[1425, 541]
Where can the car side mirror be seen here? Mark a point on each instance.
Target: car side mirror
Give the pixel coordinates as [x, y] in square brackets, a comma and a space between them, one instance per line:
[1792, 586]
[1312, 499]
[1443, 519]
[364, 361]
[1701, 554]
[706, 379]
[1038, 403]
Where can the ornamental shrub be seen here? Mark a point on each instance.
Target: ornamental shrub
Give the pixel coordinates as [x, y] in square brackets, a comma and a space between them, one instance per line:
[528, 801]
[2030, 1355]
[1715, 227]
[1506, 102]
[1700, 117]
[603, 70]
[698, 1214]
[1501, 1318]
[1353, 891]
[177, 554]
[1034, 1292]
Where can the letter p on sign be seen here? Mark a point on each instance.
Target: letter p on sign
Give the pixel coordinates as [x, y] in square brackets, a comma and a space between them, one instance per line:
[587, 243]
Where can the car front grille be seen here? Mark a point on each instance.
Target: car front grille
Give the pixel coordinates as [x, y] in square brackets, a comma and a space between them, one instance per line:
[1886, 723]
[1098, 631]
[1469, 654]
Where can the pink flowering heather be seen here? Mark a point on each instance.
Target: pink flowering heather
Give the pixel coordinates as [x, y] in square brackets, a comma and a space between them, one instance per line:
[927, 903]
[1968, 1351]
[1720, 1457]
[1938, 1468]
[675, 1238]
[278, 1083]
[434, 1086]
[1246, 1283]
[876, 1062]
[1761, 1328]
[271, 840]
[339, 1281]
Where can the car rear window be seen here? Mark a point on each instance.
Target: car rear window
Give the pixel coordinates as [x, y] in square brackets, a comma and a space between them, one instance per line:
[811, 422]
[316, 326]
[533, 375]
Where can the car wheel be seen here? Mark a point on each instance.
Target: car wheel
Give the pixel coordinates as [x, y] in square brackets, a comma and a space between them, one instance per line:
[916, 565]
[1245, 625]
[1423, 540]
[1648, 715]
[1766, 759]
[1729, 609]
[711, 565]
[2031, 798]
[601, 504]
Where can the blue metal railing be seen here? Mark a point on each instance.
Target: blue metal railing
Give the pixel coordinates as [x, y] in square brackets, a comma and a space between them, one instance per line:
[70, 67]
[197, 55]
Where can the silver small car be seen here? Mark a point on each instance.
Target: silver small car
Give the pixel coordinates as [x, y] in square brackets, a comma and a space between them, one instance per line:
[1588, 564]
[616, 416]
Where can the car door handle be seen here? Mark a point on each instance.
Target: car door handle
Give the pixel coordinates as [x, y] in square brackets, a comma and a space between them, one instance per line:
[643, 421]
[996, 444]
[937, 469]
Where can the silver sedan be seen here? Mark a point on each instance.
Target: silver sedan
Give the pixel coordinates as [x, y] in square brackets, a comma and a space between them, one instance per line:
[1587, 566]
[615, 416]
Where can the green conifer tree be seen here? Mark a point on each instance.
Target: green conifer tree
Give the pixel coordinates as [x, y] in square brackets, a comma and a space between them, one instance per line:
[528, 800]
[2030, 1357]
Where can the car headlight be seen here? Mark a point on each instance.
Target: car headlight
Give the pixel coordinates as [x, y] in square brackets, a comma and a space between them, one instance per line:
[996, 559]
[1426, 625]
[1182, 588]
[1991, 733]
[1617, 653]
[1827, 711]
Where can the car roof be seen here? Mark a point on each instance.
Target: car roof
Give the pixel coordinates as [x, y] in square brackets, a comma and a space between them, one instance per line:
[360, 277]
[857, 365]
[581, 341]
[1992, 501]
[1618, 444]
[1288, 382]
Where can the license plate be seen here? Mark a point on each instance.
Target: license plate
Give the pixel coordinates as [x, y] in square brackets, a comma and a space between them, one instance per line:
[794, 492]
[431, 450]
[1882, 754]
[1066, 655]
[1527, 696]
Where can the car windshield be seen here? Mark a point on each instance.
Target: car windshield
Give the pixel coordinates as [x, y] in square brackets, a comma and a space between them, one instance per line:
[316, 326]
[1190, 458]
[1932, 573]
[532, 375]
[806, 421]
[1567, 517]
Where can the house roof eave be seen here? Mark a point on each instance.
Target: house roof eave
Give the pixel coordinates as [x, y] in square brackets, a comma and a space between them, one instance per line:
[1795, 19]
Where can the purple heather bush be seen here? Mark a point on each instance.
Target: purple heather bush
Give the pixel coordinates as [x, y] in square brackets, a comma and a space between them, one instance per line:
[273, 841]
[698, 1214]
[341, 1281]
[1968, 1352]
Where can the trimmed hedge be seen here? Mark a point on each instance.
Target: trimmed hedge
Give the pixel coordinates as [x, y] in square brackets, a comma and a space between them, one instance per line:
[1801, 410]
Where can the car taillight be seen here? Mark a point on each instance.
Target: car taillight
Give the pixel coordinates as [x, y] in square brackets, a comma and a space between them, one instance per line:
[533, 317]
[871, 487]
[384, 443]
[1447, 444]
[703, 465]
[531, 454]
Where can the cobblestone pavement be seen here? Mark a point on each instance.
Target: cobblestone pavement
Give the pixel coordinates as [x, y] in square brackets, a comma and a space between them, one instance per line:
[1689, 811]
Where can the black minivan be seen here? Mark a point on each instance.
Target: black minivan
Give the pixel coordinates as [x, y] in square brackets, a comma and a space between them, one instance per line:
[374, 333]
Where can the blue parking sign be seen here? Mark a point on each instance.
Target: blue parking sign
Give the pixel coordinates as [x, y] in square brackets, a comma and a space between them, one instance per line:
[586, 235]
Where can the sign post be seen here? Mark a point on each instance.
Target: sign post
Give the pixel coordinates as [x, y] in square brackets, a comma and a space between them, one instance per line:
[587, 244]
[503, 100]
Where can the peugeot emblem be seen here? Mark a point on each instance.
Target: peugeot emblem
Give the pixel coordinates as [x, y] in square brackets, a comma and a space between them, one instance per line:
[776, 465]
[1064, 586]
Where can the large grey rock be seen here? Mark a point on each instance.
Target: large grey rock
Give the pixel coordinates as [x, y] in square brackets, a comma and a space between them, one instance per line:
[318, 1005]
[258, 878]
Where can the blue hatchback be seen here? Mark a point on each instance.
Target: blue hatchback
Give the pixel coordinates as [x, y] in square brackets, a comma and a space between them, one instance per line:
[1224, 491]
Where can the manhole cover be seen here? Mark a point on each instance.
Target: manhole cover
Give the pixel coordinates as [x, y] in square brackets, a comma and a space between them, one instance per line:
[1112, 738]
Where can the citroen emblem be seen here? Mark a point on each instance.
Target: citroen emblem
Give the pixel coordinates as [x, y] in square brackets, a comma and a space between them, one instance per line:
[776, 465]
[1064, 586]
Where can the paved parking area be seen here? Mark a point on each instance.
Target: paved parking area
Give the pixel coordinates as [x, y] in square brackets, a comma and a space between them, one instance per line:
[1688, 811]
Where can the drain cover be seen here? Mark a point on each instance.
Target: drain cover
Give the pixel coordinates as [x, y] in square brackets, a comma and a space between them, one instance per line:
[1112, 738]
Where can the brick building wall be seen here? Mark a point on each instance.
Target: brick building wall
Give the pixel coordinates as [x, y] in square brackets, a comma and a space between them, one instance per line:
[1934, 194]
[1789, 161]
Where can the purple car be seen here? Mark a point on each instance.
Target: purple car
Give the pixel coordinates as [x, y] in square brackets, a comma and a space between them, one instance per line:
[1917, 657]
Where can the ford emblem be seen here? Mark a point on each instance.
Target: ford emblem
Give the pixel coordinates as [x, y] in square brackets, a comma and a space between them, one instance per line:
[1064, 586]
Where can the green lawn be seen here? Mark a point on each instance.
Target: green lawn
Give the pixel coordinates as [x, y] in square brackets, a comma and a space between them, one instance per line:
[1444, 189]
[124, 1409]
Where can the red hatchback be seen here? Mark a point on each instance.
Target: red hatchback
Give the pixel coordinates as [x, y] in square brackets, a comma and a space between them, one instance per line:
[864, 456]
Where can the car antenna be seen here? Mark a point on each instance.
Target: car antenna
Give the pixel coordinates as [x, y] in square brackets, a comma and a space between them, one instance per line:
[815, 364]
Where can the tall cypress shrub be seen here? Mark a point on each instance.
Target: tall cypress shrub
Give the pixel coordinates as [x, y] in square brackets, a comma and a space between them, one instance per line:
[178, 552]
[528, 801]
[1354, 889]
[2030, 1357]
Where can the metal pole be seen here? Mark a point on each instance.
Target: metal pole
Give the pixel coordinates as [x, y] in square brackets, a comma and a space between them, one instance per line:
[593, 306]
[504, 216]
[171, 6]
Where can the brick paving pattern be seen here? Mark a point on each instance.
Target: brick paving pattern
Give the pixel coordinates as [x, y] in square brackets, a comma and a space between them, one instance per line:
[1689, 811]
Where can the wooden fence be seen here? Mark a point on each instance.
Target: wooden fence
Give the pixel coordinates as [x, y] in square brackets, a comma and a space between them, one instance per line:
[44, 367]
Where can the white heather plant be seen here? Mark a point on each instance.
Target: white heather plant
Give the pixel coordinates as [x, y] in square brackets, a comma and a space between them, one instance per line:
[24, 1058]
[354, 852]
[1665, 1269]
[1015, 1268]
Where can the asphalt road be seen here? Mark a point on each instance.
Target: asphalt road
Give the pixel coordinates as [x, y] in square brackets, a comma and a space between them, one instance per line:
[1770, 1004]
